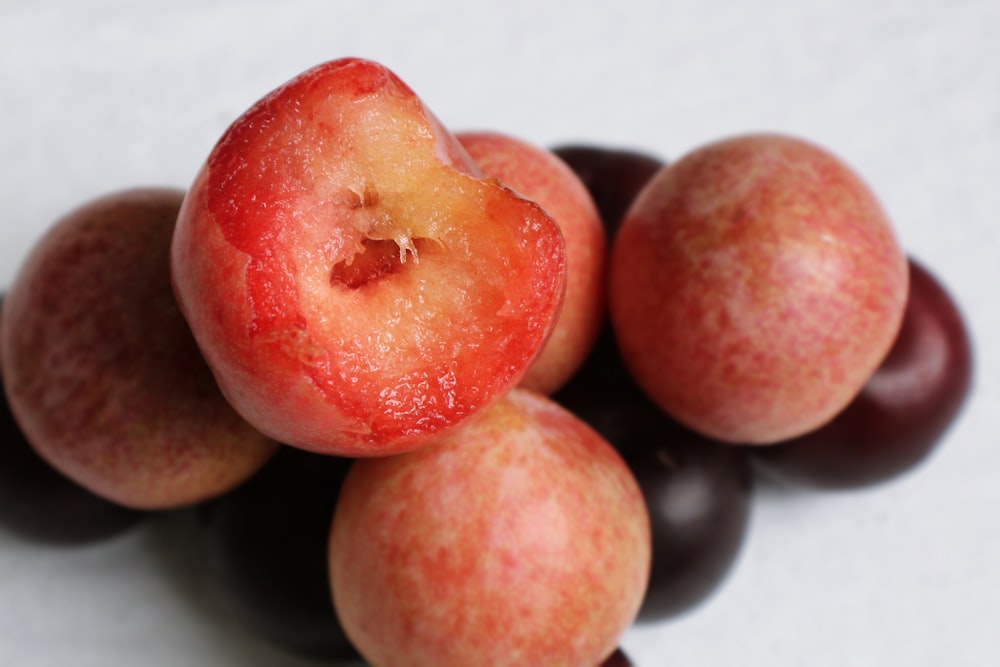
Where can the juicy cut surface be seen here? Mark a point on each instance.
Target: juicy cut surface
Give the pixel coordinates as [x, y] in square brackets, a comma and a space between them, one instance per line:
[364, 266]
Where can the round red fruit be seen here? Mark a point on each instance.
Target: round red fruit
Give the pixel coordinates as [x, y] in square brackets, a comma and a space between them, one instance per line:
[354, 285]
[755, 286]
[519, 539]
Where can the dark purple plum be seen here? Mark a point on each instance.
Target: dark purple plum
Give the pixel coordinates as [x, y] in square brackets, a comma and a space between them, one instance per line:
[40, 504]
[901, 413]
[699, 496]
[617, 659]
[613, 176]
[698, 491]
[266, 543]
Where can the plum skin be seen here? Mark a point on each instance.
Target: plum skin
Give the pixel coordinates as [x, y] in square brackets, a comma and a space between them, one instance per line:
[101, 370]
[755, 285]
[42, 505]
[903, 411]
[520, 539]
[613, 176]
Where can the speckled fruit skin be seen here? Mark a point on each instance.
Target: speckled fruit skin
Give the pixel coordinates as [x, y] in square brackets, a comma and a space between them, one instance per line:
[101, 370]
[354, 284]
[42, 505]
[755, 286]
[521, 539]
[903, 411]
[542, 177]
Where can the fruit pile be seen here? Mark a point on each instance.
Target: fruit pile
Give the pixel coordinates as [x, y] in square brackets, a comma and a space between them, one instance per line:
[453, 399]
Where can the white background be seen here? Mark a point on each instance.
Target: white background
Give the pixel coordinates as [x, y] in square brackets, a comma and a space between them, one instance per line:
[98, 96]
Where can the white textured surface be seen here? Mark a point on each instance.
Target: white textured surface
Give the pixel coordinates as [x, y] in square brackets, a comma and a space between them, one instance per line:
[102, 95]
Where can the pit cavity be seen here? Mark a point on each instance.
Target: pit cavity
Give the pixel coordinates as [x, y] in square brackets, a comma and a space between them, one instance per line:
[378, 259]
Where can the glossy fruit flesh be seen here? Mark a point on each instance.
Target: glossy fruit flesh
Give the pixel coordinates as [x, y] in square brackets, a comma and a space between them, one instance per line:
[903, 411]
[353, 287]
